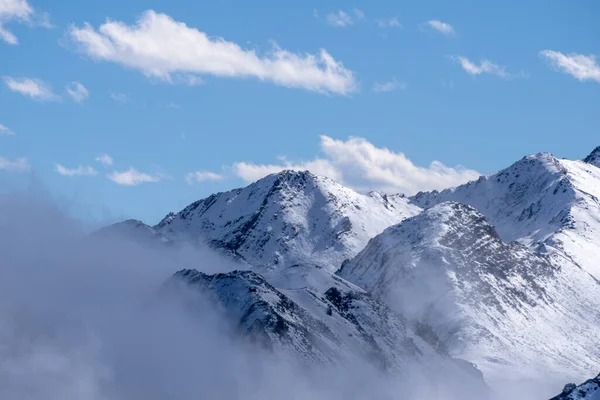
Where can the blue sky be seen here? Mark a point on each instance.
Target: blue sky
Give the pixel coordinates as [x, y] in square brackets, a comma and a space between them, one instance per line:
[370, 94]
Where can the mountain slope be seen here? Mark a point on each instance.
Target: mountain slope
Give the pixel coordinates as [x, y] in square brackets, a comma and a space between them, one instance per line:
[509, 310]
[288, 218]
[594, 157]
[338, 326]
[135, 230]
[547, 204]
[589, 390]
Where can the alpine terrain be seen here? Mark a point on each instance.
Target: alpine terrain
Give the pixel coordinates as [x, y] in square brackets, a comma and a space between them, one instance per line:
[514, 313]
[496, 279]
[547, 204]
[288, 218]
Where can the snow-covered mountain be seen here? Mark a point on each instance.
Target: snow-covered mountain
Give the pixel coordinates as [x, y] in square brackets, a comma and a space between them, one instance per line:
[594, 157]
[320, 318]
[589, 390]
[135, 230]
[511, 311]
[288, 218]
[547, 204]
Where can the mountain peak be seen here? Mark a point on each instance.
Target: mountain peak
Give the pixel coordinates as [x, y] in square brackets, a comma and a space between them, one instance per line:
[287, 218]
[594, 157]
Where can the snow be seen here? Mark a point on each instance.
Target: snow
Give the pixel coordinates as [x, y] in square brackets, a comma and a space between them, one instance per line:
[289, 218]
[590, 390]
[501, 272]
[507, 309]
[547, 204]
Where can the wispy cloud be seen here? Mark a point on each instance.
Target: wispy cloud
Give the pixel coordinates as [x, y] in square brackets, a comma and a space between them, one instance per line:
[19, 11]
[343, 19]
[163, 48]
[441, 27]
[79, 171]
[18, 165]
[122, 98]
[389, 86]
[202, 176]
[105, 160]
[359, 164]
[133, 177]
[77, 91]
[33, 88]
[4, 131]
[579, 66]
[485, 66]
[389, 23]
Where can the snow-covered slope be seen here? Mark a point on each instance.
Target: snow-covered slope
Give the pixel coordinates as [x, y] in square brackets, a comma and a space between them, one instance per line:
[546, 204]
[322, 318]
[590, 390]
[134, 230]
[511, 311]
[288, 218]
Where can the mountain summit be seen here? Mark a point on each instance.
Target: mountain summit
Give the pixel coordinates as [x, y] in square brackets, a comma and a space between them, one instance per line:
[288, 218]
[594, 157]
[547, 204]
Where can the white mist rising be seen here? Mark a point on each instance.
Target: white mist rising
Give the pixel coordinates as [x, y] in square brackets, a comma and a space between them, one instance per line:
[79, 319]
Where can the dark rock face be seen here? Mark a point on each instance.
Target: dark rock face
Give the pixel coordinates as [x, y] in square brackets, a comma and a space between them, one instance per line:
[594, 157]
[351, 323]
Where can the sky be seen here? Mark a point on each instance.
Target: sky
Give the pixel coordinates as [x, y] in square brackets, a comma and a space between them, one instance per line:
[134, 109]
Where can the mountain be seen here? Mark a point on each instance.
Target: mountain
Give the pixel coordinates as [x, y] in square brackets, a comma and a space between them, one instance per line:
[594, 157]
[320, 318]
[137, 231]
[590, 390]
[288, 218]
[547, 204]
[509, 310]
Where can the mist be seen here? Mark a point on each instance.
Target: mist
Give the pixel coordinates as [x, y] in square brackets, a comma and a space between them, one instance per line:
[80, 318]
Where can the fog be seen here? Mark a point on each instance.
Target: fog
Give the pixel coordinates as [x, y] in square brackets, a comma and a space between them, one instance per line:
[80, 318]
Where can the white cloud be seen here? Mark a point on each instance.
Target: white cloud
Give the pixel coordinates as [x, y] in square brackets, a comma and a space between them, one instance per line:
[441, 27]
[485, 67]
[34, 88]
[122, 98]
[79, 171]
[389, 23]
[77, 91]
[163, 48]
[105, 160]
[19, 11]
[340, 19]
[202, 176]
[18, 165]
[359, 164]
[389, 86]
[5, 131]
[579, 66]
[13, 10]
[133, 177]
